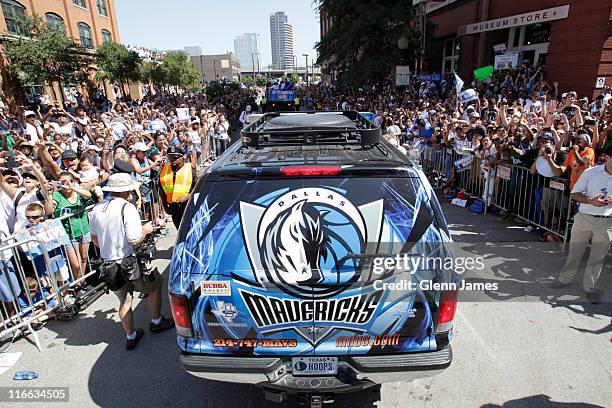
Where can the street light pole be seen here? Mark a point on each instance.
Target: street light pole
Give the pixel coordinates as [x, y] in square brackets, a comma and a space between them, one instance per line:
[307, 81]
[253, 64]
[202, 70]
[215, 67]
[312, 73]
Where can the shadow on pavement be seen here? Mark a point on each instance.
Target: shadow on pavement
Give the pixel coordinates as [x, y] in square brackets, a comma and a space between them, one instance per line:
[151, 375]
[540, 401]
[523, 267]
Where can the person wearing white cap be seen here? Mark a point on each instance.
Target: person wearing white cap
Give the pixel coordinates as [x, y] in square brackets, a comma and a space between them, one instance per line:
[117, 229]
[142, 167]
[33, 131]
[245, 115]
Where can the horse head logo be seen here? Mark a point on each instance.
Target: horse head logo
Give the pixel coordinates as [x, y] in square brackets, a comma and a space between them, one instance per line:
[295, 243]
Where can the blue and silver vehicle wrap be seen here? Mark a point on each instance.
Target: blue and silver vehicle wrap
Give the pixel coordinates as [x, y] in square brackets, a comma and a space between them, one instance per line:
[284, 266]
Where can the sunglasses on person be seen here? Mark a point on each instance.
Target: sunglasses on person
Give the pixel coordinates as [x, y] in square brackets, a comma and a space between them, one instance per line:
[69, 159]
[33, 217]
[30, 177]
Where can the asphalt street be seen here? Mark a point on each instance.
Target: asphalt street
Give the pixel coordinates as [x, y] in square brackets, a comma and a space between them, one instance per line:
[525, 345]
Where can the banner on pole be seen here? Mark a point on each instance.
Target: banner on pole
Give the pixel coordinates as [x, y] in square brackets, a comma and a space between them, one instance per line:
[458, 84]
[402, 75]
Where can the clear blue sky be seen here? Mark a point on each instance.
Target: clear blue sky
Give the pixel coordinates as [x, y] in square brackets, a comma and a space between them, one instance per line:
[169, 25]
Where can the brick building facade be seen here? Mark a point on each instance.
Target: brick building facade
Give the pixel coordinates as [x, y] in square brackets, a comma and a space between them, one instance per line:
[576, 47]
[89, 22]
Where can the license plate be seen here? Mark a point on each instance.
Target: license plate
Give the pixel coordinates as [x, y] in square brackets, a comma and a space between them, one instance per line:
[315, 365]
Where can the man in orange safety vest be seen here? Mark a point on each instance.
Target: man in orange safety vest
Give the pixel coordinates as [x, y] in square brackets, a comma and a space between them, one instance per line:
[176, 181]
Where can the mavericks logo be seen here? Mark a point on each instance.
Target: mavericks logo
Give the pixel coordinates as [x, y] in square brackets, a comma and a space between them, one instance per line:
[271, 311]
[298, 245]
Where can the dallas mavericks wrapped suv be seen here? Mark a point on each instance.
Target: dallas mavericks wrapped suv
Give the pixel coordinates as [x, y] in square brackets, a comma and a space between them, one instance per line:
[286, 270]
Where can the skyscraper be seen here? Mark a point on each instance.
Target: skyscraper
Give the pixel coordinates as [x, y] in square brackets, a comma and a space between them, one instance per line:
[246, 48]
[193, 50]
[281, 34]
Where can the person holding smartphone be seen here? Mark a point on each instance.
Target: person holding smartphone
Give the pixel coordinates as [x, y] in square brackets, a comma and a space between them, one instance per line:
[593, 224]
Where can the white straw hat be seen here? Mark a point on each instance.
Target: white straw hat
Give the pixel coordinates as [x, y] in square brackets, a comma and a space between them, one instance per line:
[120, 182]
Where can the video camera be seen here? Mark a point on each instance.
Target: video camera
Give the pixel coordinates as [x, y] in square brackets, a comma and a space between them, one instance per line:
[144, 255]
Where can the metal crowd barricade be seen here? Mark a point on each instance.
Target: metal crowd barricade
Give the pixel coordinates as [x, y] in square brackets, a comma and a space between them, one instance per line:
[19, 307]
[438, 162]
[433, 163]
[66, 295]
[85, 270]
[543, 202]
[472, 181]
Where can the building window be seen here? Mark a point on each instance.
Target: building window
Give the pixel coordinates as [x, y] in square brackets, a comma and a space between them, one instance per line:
[107, 36]
[80, 3]
[54, 20]
[450, 59]
[537, 33]
[15, 17]
[102, 8]
[85, 35]
[530, 35]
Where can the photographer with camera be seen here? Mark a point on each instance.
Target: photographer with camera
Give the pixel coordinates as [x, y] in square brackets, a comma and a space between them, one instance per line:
[593, 223]
[549, 163]
[116, 229]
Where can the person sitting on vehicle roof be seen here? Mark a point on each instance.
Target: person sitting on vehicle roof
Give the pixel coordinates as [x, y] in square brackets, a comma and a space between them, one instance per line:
[177, 179]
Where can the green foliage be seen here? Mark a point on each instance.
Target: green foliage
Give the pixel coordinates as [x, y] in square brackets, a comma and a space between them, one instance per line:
[152, 72]
[362, 42]
[48, 55]
[262, 81]
[248, 81]
[117, 64]
[294, 78]
[179, 71]
[234, 86]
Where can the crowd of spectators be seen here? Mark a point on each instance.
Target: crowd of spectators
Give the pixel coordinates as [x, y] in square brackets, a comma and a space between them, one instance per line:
[518, 119]
[146, 54]
[55, 157]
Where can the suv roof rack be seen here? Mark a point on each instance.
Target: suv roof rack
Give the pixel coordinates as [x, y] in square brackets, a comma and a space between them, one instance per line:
[310, 128]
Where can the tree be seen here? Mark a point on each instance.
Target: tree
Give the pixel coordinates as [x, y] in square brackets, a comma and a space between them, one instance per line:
[262, 81]
[363, 41]
[152, 74]
[178, 70]
[49, 55]
[294, 78]
[118, 64]
[248, 81]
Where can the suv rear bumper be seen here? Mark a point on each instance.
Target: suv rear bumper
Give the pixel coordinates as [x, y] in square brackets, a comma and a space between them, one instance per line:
[354, 372]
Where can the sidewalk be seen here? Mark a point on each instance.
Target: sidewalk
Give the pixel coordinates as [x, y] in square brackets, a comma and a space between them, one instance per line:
[525, 345]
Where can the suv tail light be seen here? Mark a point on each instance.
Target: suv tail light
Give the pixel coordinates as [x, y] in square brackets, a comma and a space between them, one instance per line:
[448, 305]
[292, 171]
[181, 315]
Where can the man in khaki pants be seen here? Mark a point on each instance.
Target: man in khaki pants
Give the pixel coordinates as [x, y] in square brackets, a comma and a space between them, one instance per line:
[593, 191]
